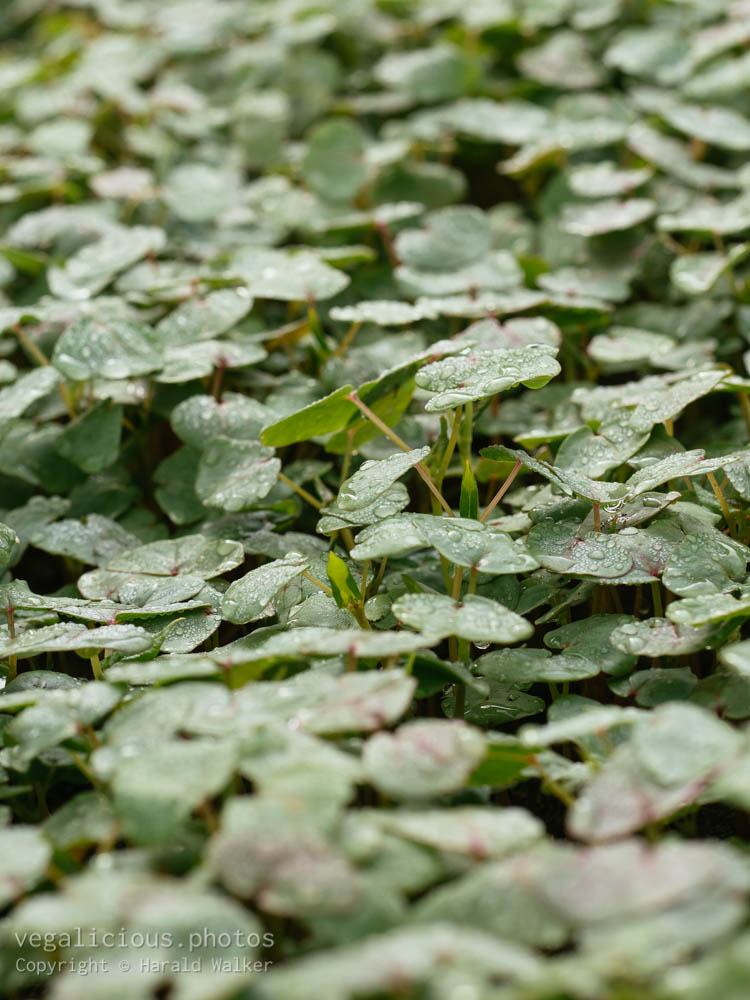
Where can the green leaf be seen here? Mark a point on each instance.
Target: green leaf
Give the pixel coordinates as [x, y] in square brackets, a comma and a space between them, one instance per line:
[563, 61]
[92, 441]
[197, 192]
[67, 636]
[115, 349]
[95, 265]
[674, 158]
[374, 478]
[8, 542]
[608, 216]
[467, 543]
[530, 666]
[503, 703]
[696, 611]
[93, 539]
[696, 274]
[467, 377]
[568, 480]
[435, 73]
[26, 390]
[474, 618]
[26, 853]
[593, 638]
[322, 417]
[606, 180]
[250, 597]
[705, 564]
[718, 126]
[288, 276]
[469, 500]
[198, 360]
[334, 162]
[234, 475]
[200, 418]
[204, 318]
[190, 554]
[385, 505]
[709, 216]
[663, 766]
[423, 759]
[86, 819]
[477, 832]
[451, 239]
[383, 312]
[155, 791]
[504, 764]
[411, 954]
[346, 593]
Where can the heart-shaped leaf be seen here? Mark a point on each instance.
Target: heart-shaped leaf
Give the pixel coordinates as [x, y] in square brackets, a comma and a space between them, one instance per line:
[474, 618]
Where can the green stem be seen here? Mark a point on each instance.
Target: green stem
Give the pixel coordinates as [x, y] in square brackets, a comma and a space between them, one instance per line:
[375, 585]
[308, 497]
[12, 659]
[656, 597]
[464, 445]
[548, 782]
[84, 768]
[96, 667]
[391, 434]
[347, 455]
[501, 492]
[456, 595]
[31, 348]
[459, 710]
[316, 328]
[451, 447]
[363, 589]
[318, 583]
[719, 494]
[216, 384]
[349, 336]
[745, 407]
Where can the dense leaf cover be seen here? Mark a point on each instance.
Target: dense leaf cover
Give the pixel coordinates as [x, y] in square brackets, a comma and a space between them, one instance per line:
[374, 473]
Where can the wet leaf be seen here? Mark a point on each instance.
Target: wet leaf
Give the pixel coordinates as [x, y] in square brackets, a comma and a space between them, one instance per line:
[606, 180]
[696, 611]
[452, 238]
[204, 318]
[697, 273]
[474, 618]
[481, 833]
[27, 853]
[190, 554]
[67, 636]
[374, 478]
[463, 378]
[334, 162]
[250, 596]
[95, 265]
[114, 349]
[423, 759]
[233, 475]
[322, 417]
[529, 666]
[290, 277]
[92, 442]
[718, 126]
[606, 216]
